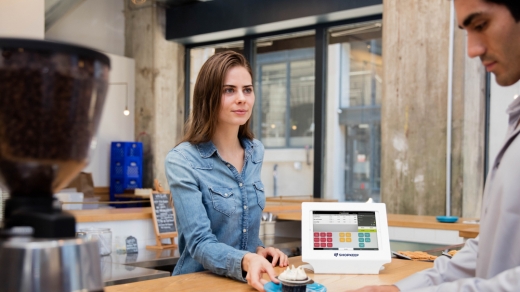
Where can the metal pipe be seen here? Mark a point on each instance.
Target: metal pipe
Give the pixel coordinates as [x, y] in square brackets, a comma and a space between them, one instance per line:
[450, 111]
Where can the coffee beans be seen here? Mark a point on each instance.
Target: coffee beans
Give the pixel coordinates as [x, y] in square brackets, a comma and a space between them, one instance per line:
[50, 106]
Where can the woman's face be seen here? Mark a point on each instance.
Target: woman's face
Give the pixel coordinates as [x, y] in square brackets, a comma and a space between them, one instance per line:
[238, 98]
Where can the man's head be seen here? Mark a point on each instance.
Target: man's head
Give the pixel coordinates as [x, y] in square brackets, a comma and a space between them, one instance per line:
[493, 28]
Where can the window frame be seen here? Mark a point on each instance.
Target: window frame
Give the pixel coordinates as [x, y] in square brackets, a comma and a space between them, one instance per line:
[320, 83]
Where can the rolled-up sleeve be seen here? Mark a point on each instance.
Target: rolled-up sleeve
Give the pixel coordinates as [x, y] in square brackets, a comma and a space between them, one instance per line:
[193, 221]
[461, 266]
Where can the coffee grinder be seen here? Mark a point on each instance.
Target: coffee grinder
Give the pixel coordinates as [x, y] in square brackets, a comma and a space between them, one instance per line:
[51, 98]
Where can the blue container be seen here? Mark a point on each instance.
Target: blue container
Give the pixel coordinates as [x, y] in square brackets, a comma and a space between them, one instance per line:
[121, 150]
[119, 185]
[130, 167]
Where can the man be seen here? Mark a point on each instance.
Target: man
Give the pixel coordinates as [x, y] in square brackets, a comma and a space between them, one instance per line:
[491, 262]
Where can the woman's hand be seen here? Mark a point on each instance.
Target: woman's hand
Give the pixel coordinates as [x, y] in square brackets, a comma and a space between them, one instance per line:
[277, 256]
[256, 265]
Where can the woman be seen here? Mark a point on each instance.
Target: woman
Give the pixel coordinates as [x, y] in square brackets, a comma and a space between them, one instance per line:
[214, 177]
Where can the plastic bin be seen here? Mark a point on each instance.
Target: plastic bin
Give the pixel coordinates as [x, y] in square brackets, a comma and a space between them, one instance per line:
[121, 150]
[119, 185]
[131, 167]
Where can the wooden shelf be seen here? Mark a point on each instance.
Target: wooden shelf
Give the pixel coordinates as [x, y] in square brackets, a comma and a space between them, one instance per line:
[100, 215]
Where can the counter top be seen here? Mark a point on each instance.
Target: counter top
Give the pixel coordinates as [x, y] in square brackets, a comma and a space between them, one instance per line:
[115, 274]
[101, 215]
[145, 258]
[470, 232]
[393, 272]
[283, 212]
[399, 220]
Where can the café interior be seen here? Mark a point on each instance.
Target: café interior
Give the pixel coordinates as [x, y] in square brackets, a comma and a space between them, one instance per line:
[356, 103]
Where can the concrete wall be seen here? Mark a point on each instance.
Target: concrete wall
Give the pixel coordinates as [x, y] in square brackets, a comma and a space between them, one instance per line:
[414, 111]
[22, 19]
[159, 82]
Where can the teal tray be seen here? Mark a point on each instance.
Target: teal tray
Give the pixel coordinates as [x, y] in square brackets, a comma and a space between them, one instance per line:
[314, 287]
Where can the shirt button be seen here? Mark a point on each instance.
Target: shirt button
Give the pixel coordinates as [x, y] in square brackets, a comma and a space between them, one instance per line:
[225, 195]
[240, 184]
[244, 230]
[228, 165]
[245, 207]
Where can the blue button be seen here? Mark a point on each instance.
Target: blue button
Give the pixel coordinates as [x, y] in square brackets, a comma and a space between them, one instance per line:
[367, 239]
[361, 234]
[361, 240]
[367, 234]
[361, 245]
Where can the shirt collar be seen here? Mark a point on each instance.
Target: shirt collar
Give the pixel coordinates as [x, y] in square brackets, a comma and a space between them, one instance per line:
[514, 112]
[207, 149]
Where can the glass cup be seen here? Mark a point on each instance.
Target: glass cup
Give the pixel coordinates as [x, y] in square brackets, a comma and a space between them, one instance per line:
[102, 235]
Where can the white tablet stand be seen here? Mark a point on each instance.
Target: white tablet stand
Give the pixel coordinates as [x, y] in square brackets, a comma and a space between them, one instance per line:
[345, 238]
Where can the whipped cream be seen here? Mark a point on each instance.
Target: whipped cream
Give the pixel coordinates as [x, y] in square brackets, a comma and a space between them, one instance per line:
[293, 274]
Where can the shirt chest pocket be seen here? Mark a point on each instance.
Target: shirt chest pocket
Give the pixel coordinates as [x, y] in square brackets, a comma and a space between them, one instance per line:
[260, 194]
[223, 200]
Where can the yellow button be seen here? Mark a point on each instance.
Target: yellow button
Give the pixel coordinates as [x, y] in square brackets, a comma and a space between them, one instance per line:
[349, 239]
[347, 234]
[341, 239]
[342, 234]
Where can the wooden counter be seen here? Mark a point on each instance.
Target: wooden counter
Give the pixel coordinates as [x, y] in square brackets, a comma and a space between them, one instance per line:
[283, 212]
[101, 215]
[206, 281]
[398, 220]
[470, 232]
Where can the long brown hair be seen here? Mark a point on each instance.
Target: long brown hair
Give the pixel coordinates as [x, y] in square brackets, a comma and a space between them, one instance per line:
[207, 94]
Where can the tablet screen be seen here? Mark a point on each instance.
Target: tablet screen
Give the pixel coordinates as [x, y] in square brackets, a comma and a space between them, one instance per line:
[344, 230]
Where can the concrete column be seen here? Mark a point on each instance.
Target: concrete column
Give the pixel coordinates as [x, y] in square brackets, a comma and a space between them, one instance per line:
[159, 81]
[414, 113]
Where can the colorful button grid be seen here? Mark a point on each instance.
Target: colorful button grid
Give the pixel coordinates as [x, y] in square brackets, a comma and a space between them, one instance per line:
[323, 239]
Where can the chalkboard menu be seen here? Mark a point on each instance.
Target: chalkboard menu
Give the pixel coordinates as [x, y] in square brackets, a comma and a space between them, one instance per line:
[131, 245]
[163, 213]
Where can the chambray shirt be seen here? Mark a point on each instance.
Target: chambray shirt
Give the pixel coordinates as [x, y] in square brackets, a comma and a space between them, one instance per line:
[218, 209]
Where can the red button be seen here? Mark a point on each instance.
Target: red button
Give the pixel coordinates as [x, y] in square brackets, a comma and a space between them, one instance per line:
[316, 239]
[329, 234]
[329, 239]
[323, 245]
[323, 239]
[329, 244]
[316, 245]
[316, 234]
[323, 234]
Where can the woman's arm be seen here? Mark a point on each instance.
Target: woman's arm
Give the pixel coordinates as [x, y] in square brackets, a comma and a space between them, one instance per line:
[194, 223]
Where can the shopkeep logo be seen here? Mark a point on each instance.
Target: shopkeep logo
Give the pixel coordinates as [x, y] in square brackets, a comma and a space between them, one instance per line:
[346, 254]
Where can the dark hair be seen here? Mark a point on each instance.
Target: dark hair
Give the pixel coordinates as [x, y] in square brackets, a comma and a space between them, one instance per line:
[207, 95]
[512, 5]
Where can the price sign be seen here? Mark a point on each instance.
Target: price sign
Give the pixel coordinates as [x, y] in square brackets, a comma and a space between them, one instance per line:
[131, 245]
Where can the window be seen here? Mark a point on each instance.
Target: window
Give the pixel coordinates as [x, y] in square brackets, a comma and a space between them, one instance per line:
[285, 79]
[353, 138]
[284, 114]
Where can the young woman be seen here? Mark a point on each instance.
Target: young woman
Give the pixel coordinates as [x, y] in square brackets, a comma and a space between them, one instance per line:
[214, 177]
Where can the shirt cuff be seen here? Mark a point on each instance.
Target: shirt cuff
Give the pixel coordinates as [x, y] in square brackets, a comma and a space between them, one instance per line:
[234, 265]
[413, 282]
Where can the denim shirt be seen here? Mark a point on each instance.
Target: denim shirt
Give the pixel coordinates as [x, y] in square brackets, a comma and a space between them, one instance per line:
[218, 209]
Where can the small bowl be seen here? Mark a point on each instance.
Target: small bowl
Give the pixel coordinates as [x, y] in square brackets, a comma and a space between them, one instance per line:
[447, 219]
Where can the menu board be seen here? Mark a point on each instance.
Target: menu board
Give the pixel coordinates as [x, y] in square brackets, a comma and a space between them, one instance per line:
[163, 213]
[131, 245]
